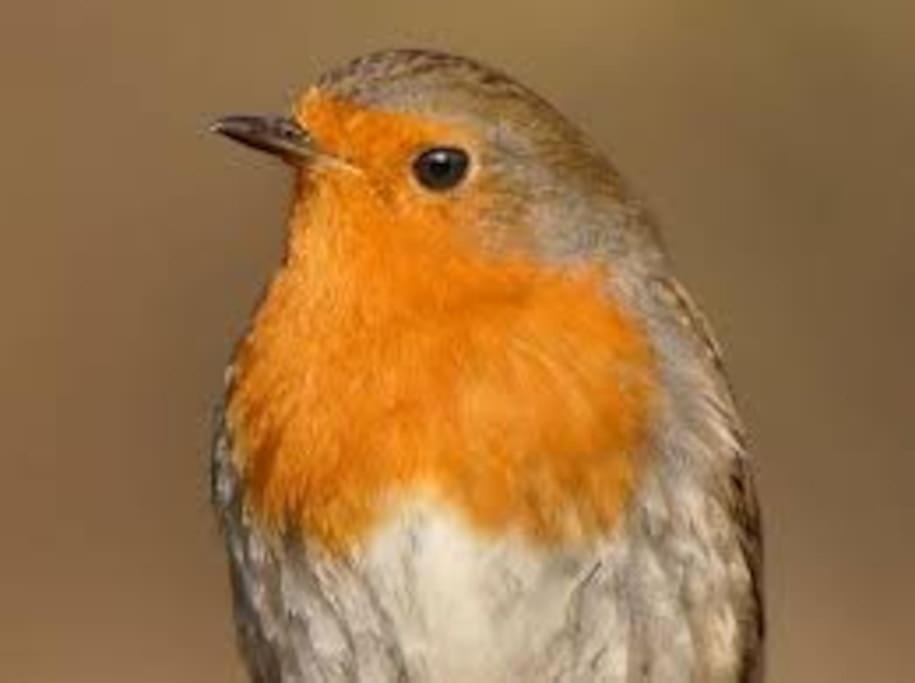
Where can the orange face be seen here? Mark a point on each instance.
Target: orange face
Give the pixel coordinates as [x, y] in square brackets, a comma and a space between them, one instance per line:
[397, 357]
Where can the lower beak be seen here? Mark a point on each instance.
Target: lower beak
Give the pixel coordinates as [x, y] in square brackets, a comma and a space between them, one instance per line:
[277, 135]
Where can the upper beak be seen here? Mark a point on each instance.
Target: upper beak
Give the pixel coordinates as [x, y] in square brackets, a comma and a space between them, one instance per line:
[277, 135]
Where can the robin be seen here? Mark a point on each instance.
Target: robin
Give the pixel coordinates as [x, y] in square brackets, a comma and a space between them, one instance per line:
[477, 431]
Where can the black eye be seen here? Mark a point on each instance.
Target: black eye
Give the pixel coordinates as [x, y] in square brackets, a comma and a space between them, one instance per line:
[441, 168]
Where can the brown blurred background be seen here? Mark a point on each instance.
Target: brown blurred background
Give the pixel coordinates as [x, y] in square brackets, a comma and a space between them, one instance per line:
[775, 140]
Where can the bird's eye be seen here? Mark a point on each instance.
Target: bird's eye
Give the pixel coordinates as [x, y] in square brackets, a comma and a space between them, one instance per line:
[441, 168]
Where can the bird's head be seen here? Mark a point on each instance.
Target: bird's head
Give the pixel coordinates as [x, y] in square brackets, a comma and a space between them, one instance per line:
[437, 158]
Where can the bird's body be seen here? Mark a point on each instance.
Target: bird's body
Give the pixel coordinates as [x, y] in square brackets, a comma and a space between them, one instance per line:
[477, 431]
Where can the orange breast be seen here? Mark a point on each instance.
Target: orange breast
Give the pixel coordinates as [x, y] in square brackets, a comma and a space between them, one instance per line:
[388, 361]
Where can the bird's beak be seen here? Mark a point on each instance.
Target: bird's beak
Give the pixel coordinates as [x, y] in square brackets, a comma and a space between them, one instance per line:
[277, 135]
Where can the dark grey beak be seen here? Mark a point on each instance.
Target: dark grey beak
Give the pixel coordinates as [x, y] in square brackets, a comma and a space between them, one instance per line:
[272, 134]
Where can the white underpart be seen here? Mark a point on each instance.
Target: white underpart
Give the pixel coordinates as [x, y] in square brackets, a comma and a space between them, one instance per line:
[457, 608]
[432, 600]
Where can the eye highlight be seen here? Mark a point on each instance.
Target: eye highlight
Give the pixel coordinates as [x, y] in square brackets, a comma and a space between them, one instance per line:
[441, 168]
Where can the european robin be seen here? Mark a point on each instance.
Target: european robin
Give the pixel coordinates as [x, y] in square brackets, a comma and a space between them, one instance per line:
[477, 431]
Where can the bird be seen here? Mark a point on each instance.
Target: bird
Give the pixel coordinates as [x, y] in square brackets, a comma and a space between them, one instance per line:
[476, 429]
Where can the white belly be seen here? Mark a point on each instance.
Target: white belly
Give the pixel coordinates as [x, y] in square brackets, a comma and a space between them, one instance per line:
[430, 600]
[473, 608]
